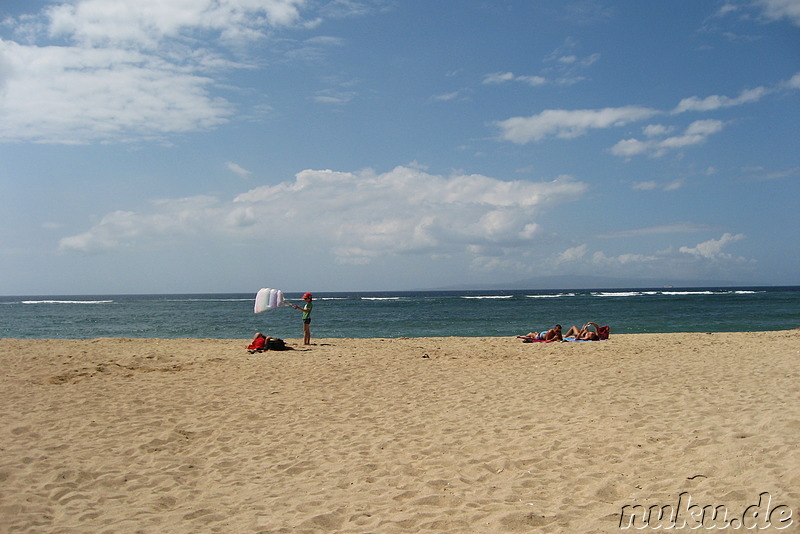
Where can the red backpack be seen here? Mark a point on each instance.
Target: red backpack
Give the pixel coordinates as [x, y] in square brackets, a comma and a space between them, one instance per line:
[604, 332]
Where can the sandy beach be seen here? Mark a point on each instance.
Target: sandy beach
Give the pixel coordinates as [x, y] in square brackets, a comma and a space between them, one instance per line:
[460, 435]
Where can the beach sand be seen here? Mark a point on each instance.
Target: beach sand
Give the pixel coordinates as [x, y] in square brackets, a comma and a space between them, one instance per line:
[461, 435]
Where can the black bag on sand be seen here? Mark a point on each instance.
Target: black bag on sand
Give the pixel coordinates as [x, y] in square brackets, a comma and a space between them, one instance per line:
[277, 343]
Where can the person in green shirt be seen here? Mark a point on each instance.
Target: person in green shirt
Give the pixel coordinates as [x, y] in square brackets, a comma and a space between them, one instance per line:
[306, 309]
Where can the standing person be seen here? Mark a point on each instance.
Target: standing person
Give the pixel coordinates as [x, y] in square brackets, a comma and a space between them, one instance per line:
[306, 309]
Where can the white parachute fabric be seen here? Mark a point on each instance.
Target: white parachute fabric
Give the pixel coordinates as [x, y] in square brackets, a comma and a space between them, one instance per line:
[268, 298]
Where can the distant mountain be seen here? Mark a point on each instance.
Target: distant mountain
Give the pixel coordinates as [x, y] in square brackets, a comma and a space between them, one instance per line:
[593, 282]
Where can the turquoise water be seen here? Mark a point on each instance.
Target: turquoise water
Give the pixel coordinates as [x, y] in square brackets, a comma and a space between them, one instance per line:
[402, 314]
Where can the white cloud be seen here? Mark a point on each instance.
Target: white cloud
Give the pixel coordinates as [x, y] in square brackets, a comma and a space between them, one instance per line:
[565, 124]
[674, 185]
[656, 130]
[778, 9]
[565, 72]
[238, 169]
[447, 96]
[184, 218]
[125, 69]
[146, 23]
[498, 77]
[713, 102]
[748, 96]
[631, 147]
[645, 186]
[703, 260]
[76, 95]
[356, 216]
[651, 185]
[503, 77]
[572, 254]
[712, 249]
[532, 80]
[793, 82]
[696, 133]
[761, 174]
[333, 96]
[725, 9]
[567, 66]
[314, 49]
[600, 260]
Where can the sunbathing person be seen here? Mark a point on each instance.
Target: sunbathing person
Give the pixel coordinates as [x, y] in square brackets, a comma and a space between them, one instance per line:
[584, 334]
[554, 334]
[260, 343]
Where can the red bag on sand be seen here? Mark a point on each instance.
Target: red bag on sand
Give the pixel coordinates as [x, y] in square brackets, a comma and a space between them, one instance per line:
[604, 332]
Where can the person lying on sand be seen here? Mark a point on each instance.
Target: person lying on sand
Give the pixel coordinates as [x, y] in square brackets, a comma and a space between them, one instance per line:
[260, 343]
[583, 333]
[554, 334]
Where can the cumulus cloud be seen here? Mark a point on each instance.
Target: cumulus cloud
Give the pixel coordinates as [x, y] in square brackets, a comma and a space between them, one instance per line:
[712, 249]
[656, 130]
[183, 218]
[713, 102]
[95, 70]
[572, 254]
[704, 259]
[74, 95]
[503, 77]
[146, 23]
[356, 216]
[778, 9]
[696, 133]
[237, 169]
[650, 185]
[566, 124]
[333, 96]
[498, 77]
[564, 70]
[748, 96]
[600, 259]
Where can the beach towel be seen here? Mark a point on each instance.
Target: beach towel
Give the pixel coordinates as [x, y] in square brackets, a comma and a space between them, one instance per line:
[531, 340]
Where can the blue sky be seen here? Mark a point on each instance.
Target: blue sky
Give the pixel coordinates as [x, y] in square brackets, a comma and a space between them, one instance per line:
[152, 146]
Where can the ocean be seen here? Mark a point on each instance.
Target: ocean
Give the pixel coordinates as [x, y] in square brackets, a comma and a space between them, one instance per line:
[402, 313]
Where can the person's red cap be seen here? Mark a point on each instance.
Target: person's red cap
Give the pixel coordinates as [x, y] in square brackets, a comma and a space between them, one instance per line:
[307, 295]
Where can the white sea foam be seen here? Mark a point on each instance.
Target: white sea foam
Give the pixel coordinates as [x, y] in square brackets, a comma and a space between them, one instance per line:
[693, 292]
[66, 301]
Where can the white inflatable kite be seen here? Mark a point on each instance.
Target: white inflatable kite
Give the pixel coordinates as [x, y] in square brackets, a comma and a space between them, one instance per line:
[269, 299]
